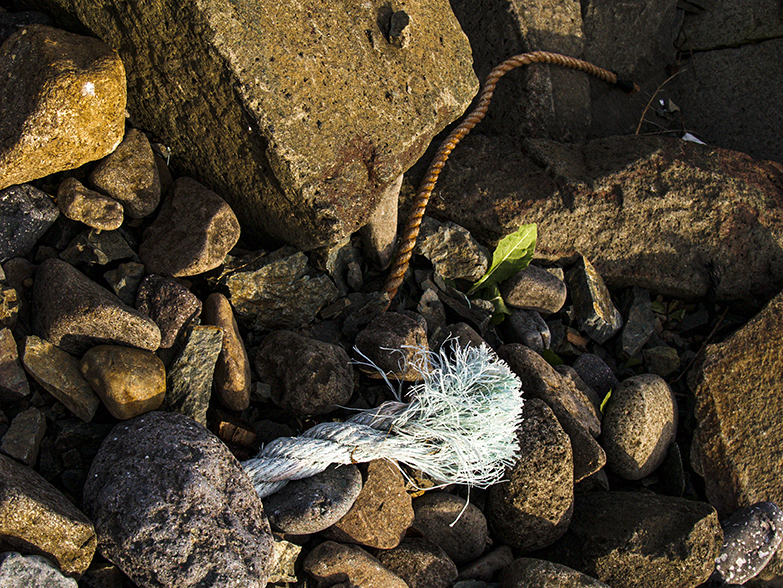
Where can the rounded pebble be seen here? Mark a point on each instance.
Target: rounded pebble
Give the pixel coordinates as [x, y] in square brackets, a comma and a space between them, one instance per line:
[444, 519]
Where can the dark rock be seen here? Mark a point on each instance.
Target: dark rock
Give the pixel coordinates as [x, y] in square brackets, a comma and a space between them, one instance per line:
[596, 314]
[420, 563]
[751, 536]
[11, 22]
[13, 382]
[661, 360]
[451, 249]
[75, 313]
[477, 312]
[192, 233]
[125, 281]
[170, 304]
[485, 567]
[639, 325]
[340, 262]
[23, 571]
[394, 343]
[312, 504]
[589, 397]
[533, 508]
[465, 335]
[527, 328]
[595, 373]
[307, 376]
[459, 528]
[526, 572]
[160, 480]
[22, 441]
[331, 560]
[97, 247]
[25, 214]
[434, 312]
[89, 207]
[534, 288]
[62, 100]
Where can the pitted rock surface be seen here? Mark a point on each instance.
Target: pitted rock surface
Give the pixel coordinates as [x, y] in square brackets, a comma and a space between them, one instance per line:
[419, 562]
[393, 341]
[22, 571]
[95, 210]
[463, 538]
[170, 304]
[25, 214]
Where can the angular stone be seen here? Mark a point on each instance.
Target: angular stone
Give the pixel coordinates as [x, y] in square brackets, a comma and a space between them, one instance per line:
[437, 517]
[97, 247]
[95, 210]
[312, 504]
[9, 305]
[596, 314]
[341, 262]
[382, 512]
[62, 103]
[526, 571]
[35, 515]
[331, 560]
[262, 291]
[75, 313]
[420, 563]
[635, 540]
[309, 154]
[534, 288]
[192, 233]
[172, 507]
[394, 343]
[58, 372]
[13, 382]
[232, 370]
[19, 571]
[125, 281]
[533, 508]
[308, 377]
[22, 441]
[751, 536]
[25, 214]
[130, 176]
[189, 378]
[170, 304]
[129, 381]
[640, 324]
[452, 250]
[661, 360]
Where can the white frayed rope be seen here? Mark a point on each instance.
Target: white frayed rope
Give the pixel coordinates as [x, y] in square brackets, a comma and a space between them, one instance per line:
[459, 428]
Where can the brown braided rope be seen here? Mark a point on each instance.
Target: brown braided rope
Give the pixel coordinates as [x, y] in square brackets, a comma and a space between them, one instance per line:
[408, 241]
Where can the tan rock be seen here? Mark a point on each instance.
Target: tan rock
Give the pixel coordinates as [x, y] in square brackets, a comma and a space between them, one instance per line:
[62, 103]
[81, 204]
[330, 560]
[129, 381]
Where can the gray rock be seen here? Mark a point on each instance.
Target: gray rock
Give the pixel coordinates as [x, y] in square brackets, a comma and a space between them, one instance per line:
[533, 508]
[451, 249]
[125, 280]
[97, 247]
[477, 312]
[189, 377]
[732, 24]
[589, 396]
[58, 372]
[23, 571]
[170, 304]
[95, 210]
[634, 539]
[63, 103]
[751, 536]
[22, 441]
[194, 230]
[13, 382]
[331, 560]
[640, 324]
[434, 312]
[528, 328]
[312, 504]
[596, 314]
[595, 373]
[661, 360]
[380, 233]
[129, 175]
[181, 482]
[394, 342]
[526, 572]
[307, 376]
[488, 564]
[25, 214]
[437, 517]
[341, 263]
[75, 313]
[534, 288]
[35, 516]
[639, 424]
[420, 563]
[465, 335]
[262, 289]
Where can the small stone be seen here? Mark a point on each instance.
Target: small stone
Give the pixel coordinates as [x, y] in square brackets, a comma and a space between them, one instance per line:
[589, 396]
[62, 103]
[751, 536]
[24, 571]
[172, 507]
[477, 312]
[93, 209]
[458, 527]
[535, 288]
[596, 374]
[488, 564]
[527, 328]
[639, 424]
[34, 514]
[640, 324]
[97, 247]
[125, 280]
[420, 563]
[129, 381]
[394, 343]
[380, 232]
[332, 560]
[451, 249]
[189, 378]
[130, 176]
[465, 335]
[661, 360]
[307, 376]
[433, 311]
[336, 261]
[170, 304]
[284, 557]
[13, 382]
[22, 441]
[596, 314]
[58, 372]
[9, 306]
[25, 215]
[232, 370]
[75, 313]
[312, 504]
[192, 234]
[382, 512]
[530, 572]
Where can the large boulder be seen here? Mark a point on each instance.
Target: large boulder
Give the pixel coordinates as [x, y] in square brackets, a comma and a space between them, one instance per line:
[300, 115]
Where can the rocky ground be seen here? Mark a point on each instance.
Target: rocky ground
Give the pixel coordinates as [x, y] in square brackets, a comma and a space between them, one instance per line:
[153, 335]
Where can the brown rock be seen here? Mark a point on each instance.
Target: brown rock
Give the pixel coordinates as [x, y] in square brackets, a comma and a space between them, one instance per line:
[393, 341]
[419, 562]
[129, 381]
[92, 208]
[62, 103]
[36, 517]
[170, 304]
[13, 382]
[534, 288]
[332, 560]
[526, 572]
[460, 529]
[380, 233]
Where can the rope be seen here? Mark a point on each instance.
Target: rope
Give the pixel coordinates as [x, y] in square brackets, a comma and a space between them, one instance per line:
[408, 242]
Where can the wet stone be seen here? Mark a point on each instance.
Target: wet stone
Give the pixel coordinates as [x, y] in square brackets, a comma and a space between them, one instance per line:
[13, 382]
[97, 247]
[393, 341]
[751, 536]
[595, 373]
[312, 504]
[25, 214]
[130, 176]
[535, 288]
[420, 563]
[332, 560]
[596, 314]
[22, 441]
[451, 249]
[95, 210]
[640, 324]
[170, 304]
[24, 571]
[437, 517]
[125, 280]
[661, 360]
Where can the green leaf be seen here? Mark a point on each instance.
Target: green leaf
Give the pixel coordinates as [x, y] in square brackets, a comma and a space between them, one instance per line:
[605, 400]
[551, 357]
[658, 307]
[512, 254]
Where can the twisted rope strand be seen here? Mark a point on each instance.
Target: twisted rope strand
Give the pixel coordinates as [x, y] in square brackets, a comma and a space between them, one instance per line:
[408, 241]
